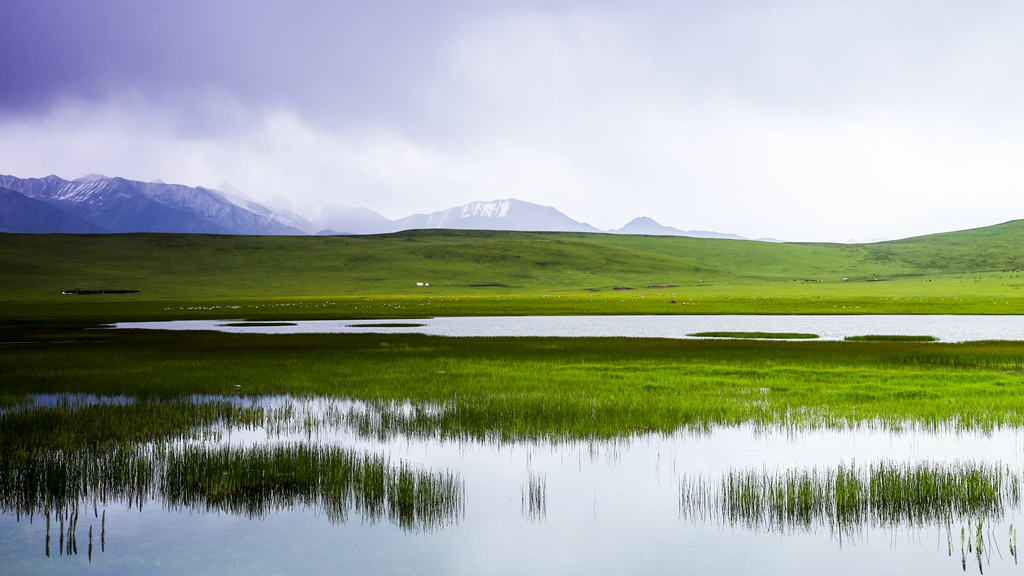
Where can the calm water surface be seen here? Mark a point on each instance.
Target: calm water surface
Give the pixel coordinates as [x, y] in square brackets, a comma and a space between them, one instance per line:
[605, 507]
[946, 328]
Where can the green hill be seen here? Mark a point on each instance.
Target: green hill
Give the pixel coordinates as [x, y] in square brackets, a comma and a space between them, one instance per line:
[472, 272]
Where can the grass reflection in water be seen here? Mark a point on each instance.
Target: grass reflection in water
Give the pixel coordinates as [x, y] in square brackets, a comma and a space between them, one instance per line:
[849, 500]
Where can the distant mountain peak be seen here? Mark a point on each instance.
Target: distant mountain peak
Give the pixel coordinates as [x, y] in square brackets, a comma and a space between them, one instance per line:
[90, 178]
[506, 214]
[492, 209]
[642, 221]
[646, 226]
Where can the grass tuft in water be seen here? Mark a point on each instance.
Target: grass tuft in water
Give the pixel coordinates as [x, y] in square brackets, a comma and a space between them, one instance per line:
[850, 499]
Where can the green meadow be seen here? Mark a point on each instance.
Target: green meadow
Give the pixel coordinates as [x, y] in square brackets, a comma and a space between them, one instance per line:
[498, 273]
[508, 389]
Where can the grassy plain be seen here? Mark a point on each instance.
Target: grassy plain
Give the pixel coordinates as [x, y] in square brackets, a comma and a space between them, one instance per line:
[499, 273]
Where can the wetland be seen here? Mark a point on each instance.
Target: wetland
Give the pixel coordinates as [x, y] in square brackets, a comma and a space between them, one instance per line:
[309, 408]
[348, 452]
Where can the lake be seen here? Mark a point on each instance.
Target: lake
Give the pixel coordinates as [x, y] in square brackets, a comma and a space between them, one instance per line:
[945, 328]
[732, 499]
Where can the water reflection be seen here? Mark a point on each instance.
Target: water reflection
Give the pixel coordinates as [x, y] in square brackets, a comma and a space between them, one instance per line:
[69, 462]
[535, 497]
[947, 328]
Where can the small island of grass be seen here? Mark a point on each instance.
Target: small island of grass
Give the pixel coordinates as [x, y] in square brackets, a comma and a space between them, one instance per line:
[257, 324]
[763, 335]
[890, 338]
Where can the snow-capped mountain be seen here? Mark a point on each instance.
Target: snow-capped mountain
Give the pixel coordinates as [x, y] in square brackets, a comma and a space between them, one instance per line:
[120, 205]
[96, 204]
[509, 214]
[648, 227]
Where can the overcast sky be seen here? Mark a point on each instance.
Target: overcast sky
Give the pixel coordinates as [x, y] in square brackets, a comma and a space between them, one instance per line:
[795, 120]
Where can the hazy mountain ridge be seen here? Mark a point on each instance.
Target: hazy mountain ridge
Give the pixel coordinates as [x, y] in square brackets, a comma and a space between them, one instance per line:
[326, 217]
[97, 203]
[507, 214]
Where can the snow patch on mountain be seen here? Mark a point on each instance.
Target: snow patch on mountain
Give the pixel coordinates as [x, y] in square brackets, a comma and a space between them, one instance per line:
[494, 209]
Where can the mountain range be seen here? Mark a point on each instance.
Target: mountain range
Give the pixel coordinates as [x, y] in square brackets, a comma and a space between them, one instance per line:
[98, 204]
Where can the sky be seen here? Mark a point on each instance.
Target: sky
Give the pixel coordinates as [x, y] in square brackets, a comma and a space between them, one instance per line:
[803, 121]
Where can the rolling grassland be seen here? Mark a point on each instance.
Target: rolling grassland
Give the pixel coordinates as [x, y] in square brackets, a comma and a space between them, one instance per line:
[498, 273]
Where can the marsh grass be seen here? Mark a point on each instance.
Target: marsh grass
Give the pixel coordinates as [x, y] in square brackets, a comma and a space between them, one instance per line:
[251, 482]
[71, 426]
[848, 500]
[57, 459]
[520, 388]
[258, 480]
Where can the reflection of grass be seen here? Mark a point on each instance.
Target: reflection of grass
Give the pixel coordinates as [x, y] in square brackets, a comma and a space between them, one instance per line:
[890, 338]
[535, 497]
[849, 499]
[761, 335]
[559, 387]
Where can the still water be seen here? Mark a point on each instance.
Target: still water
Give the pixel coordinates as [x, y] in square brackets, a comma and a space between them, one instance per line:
[635, 505]
[943, 327]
